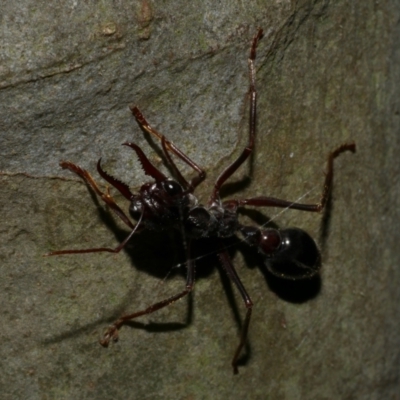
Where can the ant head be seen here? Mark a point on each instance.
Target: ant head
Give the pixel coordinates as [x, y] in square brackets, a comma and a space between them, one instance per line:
[161, 203]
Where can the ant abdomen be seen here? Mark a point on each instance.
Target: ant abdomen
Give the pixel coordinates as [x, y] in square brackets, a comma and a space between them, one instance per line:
[298, 256]
[289, 253]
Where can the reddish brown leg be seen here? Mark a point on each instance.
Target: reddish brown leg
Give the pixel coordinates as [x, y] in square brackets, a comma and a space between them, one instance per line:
[106, 197]
[182, 180]
[230, 170]
[230, 270]
[112, 332]
[170, 147]
[263, 201]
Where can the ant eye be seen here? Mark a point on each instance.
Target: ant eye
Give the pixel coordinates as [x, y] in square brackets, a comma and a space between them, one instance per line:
[172, 188]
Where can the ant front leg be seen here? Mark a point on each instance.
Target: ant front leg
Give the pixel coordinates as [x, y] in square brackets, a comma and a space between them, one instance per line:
[107, 198]
[117, 249]
[167, 145]
[112, 332]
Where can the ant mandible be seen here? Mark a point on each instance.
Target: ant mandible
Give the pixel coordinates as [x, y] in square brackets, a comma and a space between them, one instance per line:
[167, 203]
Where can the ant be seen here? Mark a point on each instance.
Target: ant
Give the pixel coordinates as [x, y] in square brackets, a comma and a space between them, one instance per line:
[166, 203]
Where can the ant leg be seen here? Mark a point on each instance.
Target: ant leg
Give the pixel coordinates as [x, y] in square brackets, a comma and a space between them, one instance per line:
[112, 332]
[230, 170]
[177, 173]
[171, 147]
[135, 229]
[230, 270]
[263, 201]
[106, 197]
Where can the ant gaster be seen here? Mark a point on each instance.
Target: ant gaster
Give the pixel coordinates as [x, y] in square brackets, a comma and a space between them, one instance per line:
[166, 203]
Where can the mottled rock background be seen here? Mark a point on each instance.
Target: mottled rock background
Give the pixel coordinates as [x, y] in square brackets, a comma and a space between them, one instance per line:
[328, 72]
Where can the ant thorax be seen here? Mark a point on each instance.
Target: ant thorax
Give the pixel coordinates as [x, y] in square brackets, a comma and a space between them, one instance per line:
[215, 221]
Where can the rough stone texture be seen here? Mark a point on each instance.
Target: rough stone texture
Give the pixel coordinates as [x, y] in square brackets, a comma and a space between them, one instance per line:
[328, 72]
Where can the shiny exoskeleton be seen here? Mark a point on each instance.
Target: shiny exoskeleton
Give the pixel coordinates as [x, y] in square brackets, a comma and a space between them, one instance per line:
[165, 203]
